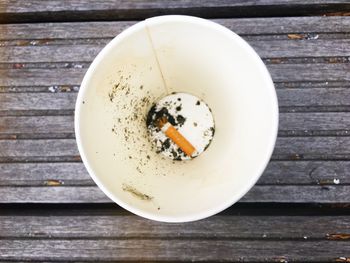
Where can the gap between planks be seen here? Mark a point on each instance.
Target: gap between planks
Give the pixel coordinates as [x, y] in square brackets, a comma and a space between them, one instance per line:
[83, 10]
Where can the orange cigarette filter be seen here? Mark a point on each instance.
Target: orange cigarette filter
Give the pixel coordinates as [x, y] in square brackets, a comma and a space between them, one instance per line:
[176, 137]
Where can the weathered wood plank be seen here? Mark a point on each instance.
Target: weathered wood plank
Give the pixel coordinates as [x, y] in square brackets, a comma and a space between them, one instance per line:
[298, 194]
[289, 97]
[87, 52]
[246, 26]
[309, 72]
[78, 30]
[73, 76]
[305, 48]
[19, 6]
[36, 124]
[77, 10]
[313, 97]
[173, 250]
[252, 227]
[283, 25]
[314, 121]
[37, 101]
[295, 123]
[27, 172]
[52, 194]
[286, 148]
[258, 194]
[306, 172]
[312, 147]
[32, 148]
[276, 173]
[35, 77]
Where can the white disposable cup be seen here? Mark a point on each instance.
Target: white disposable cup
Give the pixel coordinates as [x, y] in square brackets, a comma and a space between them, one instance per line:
[185, 54]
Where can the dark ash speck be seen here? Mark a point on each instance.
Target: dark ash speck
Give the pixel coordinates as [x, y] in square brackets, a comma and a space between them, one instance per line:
[181, 120]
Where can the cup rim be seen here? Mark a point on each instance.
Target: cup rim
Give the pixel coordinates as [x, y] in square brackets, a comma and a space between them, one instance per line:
[112, 44]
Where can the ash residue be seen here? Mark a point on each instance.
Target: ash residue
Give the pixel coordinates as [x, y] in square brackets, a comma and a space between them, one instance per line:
[130, 103]
[166, 145]
[177, 120]
[157, 112]
[113, 92]
[176, 109]
[180, 120]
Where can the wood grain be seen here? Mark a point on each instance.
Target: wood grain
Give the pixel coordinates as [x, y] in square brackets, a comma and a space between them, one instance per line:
[293, 122]
[41, 168]
[32, 148]
[306, 172]
[87, 52]
[277, 173]
[129, 226]
[312, 147]
[36, 124]
[258, 194]
[29, 173]
[77, 5]
[314, 121]
[53, 194]
[73, 76]
[296, 148]
[84, 10]
[293, 97]
[172, 250]
[297, 194]
[37, 101]
[246, 26]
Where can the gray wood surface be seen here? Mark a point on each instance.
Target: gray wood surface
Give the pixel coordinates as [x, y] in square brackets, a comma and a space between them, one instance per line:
[277, 173]
[127, 226]
[73, 76]
[48, 32]
[173, 250]
[87, 52]
[293, 97]
[290, 123]
[299, 209]
[39, 124]
[258, 194]
[328, 147]
[78, 10]
[32, 148]
[77, 5]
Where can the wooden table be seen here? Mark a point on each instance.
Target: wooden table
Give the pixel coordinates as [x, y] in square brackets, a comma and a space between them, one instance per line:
[50, 209]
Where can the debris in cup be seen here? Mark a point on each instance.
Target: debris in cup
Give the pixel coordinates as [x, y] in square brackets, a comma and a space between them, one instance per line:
[136, 193]
[176, 136]
[189, 126]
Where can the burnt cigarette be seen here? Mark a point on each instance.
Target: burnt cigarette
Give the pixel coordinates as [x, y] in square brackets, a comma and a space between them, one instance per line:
[170, 131]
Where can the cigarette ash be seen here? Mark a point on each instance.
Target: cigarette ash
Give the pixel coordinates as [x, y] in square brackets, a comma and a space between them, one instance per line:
[164, 144]
[190, 116]
[131, 102]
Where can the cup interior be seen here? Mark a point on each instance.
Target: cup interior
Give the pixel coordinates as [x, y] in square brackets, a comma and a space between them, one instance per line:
[145, 63]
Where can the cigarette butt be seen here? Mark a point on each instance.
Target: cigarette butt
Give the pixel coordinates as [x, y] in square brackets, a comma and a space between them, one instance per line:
[178, 139]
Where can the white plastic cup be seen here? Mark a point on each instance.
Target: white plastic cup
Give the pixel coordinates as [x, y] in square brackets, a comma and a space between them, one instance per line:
[177, 54]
